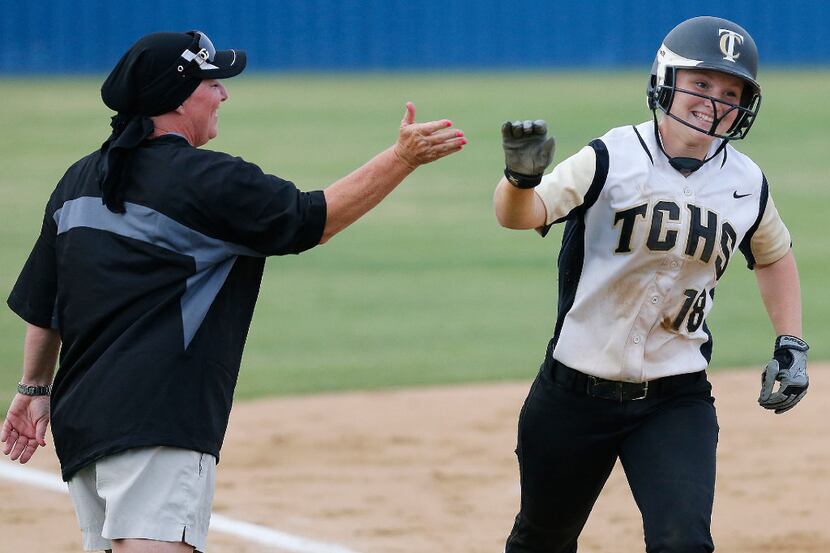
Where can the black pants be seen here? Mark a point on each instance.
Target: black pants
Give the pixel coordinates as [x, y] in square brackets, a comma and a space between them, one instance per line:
[568, 443]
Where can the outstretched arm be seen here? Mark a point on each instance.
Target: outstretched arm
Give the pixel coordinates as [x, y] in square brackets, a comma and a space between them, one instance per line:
[354, 195]
[25, 426]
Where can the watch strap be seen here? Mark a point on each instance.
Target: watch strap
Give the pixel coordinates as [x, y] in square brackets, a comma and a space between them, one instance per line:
[30, 390]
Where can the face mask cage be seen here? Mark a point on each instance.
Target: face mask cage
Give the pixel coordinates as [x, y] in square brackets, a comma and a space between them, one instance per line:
[747, 110]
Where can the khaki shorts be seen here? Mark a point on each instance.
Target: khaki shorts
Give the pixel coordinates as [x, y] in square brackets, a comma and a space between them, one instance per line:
[155, 493]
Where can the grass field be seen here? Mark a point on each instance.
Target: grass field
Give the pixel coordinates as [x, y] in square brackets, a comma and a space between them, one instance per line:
[427, 288]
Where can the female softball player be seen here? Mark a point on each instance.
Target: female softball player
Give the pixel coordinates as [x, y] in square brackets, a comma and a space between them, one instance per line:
[653, 214]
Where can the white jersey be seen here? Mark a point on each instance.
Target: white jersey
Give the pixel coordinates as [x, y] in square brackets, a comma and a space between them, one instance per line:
[643, 250]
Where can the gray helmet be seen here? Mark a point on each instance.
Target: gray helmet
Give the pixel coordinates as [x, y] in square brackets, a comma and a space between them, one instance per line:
[707, 43]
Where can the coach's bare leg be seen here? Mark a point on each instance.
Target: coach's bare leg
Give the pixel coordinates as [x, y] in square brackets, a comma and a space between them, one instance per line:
[150, 546]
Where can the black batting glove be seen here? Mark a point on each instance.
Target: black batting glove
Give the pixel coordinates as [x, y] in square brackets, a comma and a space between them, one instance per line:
[789, 367]
[527, 151]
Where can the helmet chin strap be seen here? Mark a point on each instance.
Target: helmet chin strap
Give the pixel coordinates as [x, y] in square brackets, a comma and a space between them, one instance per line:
[684, 164]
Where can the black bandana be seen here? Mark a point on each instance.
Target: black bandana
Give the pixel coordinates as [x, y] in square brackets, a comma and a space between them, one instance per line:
[155, 76]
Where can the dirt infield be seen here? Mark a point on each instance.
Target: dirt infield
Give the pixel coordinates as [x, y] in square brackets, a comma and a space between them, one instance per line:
[433, 470]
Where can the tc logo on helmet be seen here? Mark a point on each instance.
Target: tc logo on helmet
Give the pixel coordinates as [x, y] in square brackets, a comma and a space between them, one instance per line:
[728, 41]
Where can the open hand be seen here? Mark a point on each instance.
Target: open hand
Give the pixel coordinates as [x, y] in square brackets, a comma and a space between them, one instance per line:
[25, 427]
[420, 143]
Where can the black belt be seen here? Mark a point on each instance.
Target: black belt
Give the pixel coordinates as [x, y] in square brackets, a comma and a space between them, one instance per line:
[614, 389]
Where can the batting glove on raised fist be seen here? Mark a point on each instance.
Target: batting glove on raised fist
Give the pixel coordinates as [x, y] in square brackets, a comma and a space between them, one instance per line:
[527, 151]
[789, 367]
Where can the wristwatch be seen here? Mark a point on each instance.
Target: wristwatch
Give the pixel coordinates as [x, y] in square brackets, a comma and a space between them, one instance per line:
[29, 390]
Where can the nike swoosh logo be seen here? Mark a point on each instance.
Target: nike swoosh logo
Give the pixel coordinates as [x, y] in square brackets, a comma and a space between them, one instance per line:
[739, 196]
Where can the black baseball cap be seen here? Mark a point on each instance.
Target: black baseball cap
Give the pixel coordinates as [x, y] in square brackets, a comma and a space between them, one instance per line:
[162, 70]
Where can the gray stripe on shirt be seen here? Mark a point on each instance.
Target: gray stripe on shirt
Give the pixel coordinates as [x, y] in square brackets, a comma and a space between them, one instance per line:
[213, 258]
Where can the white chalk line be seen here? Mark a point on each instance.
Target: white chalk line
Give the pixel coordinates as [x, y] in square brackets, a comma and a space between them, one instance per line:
[245, 530]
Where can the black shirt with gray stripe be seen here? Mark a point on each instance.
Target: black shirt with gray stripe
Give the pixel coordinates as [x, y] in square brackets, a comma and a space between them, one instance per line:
[153, 305]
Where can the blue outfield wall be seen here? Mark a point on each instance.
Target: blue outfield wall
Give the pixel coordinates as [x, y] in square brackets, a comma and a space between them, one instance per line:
[88, 36]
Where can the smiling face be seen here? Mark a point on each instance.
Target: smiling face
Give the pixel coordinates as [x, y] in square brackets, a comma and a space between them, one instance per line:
[200, 111]
[701, 112]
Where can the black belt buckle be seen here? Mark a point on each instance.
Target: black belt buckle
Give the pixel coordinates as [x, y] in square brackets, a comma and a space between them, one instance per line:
[616, 390]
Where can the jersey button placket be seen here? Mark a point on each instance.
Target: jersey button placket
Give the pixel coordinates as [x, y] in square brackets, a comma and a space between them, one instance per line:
[633, 353]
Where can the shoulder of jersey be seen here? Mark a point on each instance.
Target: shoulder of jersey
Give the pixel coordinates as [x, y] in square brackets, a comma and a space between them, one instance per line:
[218, 160]
[742, 162]
[625, 147]
[618, 133]
[84, 162]
[738, 156]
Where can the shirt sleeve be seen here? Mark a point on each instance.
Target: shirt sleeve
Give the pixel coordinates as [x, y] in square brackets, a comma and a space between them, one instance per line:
[768, 239]
[771, 241]
[565, 188]
[34, 294]
[262, 212]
